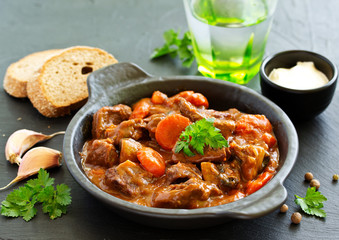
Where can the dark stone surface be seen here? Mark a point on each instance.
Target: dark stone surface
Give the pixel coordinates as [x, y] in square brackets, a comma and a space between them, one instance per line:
[131, 29]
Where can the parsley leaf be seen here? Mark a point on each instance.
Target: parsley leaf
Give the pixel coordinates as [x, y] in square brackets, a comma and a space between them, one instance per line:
[63, 194]
[198, 135]
[43, 180]
[55, 202]
[29, 211]
[21, 202]
[9, 209]
[312, 202]
[174, 46]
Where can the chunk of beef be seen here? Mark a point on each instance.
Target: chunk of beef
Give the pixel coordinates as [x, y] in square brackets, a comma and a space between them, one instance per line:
[127, 129]
[100, 152]
[159, 109]
[152, 123]
[181, 172]
[189, 194]
[128, 178]
[225, 175]
[231, 114]
[229, 174]
[188, 110]
[107, 116]
[226, 127]
[128, 150]
[251, 157]
[223, 120]
[109, 130]
[210, 155]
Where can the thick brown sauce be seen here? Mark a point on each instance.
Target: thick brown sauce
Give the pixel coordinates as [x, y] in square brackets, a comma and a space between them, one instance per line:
[246, 133]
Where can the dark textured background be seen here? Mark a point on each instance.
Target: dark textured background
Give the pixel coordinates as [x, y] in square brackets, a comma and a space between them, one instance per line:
[130, 30]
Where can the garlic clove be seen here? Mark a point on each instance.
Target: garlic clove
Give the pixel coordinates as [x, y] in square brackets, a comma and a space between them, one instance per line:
[22, 140]
[33, 160]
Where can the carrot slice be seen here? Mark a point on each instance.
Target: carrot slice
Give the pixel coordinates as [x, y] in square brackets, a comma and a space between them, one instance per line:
[169, 129]
[258, 183]
[152, 161]
[269, 139]
[141, 108]
[197, 99]
[158, 97]
[247, 123]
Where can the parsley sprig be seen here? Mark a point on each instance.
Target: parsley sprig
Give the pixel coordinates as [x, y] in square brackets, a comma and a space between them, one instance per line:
[198, 135]
[312, 203]
[21, 202]
[175, 46]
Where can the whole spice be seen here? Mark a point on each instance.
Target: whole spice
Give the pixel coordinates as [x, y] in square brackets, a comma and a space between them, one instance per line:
[22, 140]
[33, 160]
[315, 183]
[283, 208]
[296, 218]
[308, 176]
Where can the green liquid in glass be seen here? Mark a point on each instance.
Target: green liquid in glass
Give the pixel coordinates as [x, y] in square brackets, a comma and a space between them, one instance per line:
[228, 45]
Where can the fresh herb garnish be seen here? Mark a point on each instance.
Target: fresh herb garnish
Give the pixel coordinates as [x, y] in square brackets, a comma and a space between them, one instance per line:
[198, 135]
[21, 201]
[174, 46]
[312, 202]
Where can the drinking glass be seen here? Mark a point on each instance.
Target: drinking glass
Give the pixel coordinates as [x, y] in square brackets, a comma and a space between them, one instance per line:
[229, 36]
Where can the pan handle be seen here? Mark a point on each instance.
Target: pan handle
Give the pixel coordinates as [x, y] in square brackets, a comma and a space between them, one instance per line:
[99, 82]
[264, 204]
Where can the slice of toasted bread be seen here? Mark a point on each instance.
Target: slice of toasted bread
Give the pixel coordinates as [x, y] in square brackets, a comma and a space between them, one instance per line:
[62, 83]
[24, 70]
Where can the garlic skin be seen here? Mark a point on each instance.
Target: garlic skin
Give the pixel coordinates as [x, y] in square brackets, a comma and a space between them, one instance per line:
[33, 160]
[22, 140]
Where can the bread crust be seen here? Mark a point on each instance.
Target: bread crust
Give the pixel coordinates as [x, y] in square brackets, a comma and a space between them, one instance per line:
[14, 87]
[38, 94]
[15, 82]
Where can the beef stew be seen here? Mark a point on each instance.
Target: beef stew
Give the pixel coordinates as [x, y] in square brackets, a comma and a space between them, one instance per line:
[133, 156]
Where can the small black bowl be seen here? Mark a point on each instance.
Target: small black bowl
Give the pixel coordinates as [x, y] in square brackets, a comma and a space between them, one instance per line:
[299, 104]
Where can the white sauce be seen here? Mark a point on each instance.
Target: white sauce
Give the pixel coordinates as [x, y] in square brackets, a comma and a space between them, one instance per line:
[302, 76]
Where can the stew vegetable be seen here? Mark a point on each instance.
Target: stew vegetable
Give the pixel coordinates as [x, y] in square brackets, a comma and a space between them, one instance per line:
[174, 152]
